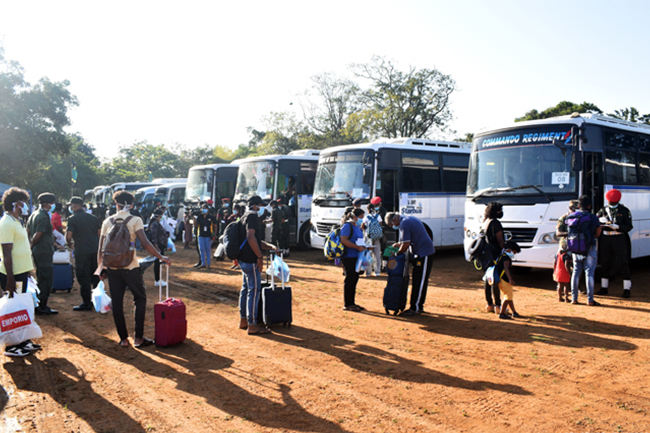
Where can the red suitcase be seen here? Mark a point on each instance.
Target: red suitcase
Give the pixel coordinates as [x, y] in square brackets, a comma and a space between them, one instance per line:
[169, 317]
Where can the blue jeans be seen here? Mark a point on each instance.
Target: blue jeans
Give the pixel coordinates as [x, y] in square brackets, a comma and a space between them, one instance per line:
[588, 264]
[251, 288]
[205, 247]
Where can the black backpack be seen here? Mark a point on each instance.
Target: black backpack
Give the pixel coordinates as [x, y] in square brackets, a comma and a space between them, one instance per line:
[481, 252]
[234, 239]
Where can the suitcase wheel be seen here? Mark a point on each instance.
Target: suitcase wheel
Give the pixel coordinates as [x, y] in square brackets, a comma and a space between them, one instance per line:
[387, 312]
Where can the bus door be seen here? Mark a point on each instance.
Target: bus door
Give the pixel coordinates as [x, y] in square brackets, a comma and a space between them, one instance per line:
[288, 179]
[592, 179]
[225, 180]
[387, 186]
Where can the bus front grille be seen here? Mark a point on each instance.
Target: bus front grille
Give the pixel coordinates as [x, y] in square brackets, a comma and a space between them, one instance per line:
[520, 235]
[324, 228]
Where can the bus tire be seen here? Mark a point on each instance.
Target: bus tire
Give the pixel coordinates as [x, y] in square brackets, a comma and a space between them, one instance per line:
[304, 242]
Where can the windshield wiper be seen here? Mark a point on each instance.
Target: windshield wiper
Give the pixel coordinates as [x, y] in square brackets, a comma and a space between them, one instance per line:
[319, 199]
[535, 187]
[511, 188]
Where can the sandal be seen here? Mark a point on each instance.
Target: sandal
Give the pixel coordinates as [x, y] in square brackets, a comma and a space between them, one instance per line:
[260, 331]
[145, 342]
[124, 343]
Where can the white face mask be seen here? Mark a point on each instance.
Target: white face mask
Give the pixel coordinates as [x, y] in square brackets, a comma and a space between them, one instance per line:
[24, 210]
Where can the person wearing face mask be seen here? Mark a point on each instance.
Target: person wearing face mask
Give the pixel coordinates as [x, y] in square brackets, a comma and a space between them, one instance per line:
[222, 216]
[159, 240]
[15, 256]
[413, 235]
[39, 228]
[205, 223]
[614, 245]
[122, 277]
[55, 218]
[83, 235]
[351, 233]
[251, 261]
[494, 233]
[506, 282]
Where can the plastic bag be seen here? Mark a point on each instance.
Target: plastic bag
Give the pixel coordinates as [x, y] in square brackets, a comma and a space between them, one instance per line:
[17, 319]
[491, 275]
[101, 300]
[170, 246]
[279, 269]
[32, 288]
[146, 263]
[365, 262]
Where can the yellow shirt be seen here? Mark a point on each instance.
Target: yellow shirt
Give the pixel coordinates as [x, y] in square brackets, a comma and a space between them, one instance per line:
[134, 225]
[13, 232]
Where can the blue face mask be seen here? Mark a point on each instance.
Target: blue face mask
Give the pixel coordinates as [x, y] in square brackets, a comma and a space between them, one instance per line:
[53, 208]
[235, 212]
[226, 205]
[204, 211]
[70, 209]
[260, 211]
[359, 222]
[395, 227]
[510, 254]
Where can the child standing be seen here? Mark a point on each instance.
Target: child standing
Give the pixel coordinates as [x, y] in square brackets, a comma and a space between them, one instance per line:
[506, 281]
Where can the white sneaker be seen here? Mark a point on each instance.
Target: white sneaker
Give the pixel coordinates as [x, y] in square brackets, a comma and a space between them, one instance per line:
[161, 283]
[377, 274]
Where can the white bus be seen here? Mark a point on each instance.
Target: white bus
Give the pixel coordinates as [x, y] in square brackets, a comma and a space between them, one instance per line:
[420, 177]
[171, 195]
[211, 182]
[535, 168]
[290, 177]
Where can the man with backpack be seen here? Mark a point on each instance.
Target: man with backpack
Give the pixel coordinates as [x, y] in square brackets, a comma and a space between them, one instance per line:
[583, 229]
[117, 260]
[251, 261]
[615, 243]
[374, 233]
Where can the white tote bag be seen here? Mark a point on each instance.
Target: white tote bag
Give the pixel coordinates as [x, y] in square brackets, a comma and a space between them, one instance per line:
[17, 322]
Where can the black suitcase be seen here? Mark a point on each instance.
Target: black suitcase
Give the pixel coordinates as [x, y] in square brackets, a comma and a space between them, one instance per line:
[275, 304]
[396, 290]
[62, 277]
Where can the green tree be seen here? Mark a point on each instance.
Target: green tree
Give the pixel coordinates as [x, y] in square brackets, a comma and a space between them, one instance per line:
[631, 115]
[32, 119]
[561, 109]
[134, 163]
[402, 104]
[327, 108]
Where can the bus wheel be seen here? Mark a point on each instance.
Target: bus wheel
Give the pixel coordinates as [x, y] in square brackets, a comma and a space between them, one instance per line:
[304, 240]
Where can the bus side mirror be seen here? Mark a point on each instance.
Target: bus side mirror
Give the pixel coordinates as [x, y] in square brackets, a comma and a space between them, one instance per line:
[576, 159]
[367, 175]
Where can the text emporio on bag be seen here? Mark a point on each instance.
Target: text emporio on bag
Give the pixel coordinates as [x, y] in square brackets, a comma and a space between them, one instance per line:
[14, 320]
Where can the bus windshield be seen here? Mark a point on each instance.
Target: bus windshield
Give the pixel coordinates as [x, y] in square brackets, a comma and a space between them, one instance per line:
[345, 174]
[161, 195]
[521, 170]
[255, 178]
[199, 185]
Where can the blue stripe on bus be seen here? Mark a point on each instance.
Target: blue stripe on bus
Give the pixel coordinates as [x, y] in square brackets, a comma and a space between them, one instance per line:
[419, 194]
[631, 187]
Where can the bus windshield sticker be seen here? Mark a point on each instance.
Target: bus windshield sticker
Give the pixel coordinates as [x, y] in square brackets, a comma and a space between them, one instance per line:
[357, 192]
[560, 178]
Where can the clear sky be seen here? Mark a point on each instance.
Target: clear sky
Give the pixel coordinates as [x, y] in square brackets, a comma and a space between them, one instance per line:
[200, 72]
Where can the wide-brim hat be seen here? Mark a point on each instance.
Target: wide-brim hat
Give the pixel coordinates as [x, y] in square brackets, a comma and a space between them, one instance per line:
[76, 200]
[47, 197]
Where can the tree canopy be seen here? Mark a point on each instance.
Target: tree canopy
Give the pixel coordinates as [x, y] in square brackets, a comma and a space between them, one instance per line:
[561, 109]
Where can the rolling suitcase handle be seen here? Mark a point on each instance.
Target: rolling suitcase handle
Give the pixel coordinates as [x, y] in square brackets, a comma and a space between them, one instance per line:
[275, 252]
[164, 265]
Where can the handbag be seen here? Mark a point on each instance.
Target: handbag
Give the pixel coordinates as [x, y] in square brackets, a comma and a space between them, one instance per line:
[61, 257]
[17, 322]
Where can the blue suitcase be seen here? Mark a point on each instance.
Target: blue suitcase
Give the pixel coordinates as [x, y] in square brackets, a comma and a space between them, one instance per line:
[275, 304]
[62, 277]
[397, 286]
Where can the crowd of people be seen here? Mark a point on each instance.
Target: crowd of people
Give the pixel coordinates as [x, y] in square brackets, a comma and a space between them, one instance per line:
[28, 248]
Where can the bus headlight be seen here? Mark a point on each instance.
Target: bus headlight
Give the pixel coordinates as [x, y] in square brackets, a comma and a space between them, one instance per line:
[468, 233]
[549, 238]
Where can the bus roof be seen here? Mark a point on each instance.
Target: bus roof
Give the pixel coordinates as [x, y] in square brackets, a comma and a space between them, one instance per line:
[216, 166]
[589, 118]
[407, 144]
[169, 180]
[277, 158]
[171, 185]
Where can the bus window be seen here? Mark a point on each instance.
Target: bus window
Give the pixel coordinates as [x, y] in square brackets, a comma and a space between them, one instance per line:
[454, 172]
[620, 167]
[420, 172]
[644, 168]
[307, 177]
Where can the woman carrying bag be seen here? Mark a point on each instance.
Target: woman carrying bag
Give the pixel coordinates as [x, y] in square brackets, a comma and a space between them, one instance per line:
[350, 233]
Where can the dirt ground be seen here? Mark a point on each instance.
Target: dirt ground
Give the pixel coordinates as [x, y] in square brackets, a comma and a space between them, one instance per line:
[456, 368]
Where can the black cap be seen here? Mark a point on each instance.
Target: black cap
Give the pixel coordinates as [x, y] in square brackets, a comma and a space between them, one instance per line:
[47, 197]
[255, 200]
[76, 200]
[158, 212]
[357, 201]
